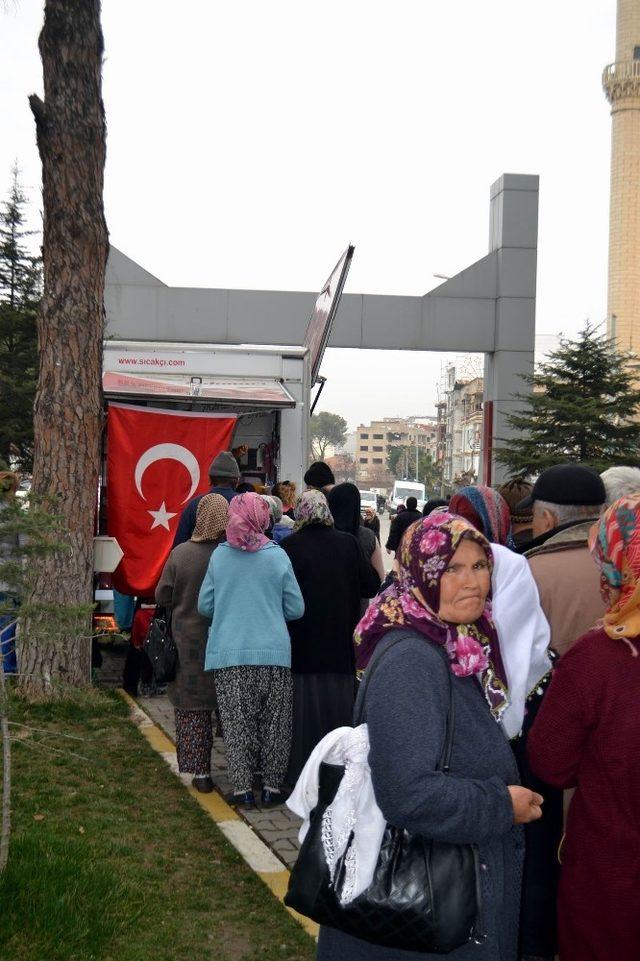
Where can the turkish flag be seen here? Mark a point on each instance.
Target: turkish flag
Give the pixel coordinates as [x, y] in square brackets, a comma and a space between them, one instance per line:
[157, 460]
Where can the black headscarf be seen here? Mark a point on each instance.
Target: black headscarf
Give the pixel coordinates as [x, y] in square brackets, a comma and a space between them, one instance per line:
[344, 504]
[432, 504]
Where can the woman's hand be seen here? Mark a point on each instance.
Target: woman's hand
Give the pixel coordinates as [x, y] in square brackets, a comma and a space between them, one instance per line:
[527, 805]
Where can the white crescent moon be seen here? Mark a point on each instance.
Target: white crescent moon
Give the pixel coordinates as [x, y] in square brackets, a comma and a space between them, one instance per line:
[168, 452]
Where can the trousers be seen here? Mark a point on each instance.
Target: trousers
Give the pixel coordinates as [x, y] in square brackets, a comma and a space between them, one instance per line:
[255, 704]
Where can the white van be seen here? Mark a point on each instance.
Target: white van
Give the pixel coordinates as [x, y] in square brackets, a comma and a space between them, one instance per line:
[368, 499]
[403, 489]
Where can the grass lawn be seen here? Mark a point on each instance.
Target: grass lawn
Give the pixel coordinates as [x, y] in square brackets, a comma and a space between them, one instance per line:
[112, 860]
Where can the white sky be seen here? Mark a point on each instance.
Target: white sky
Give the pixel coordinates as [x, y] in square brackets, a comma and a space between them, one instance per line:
[249, 142]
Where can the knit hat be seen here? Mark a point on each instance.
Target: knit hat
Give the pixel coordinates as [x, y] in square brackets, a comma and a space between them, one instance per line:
[514, 491]
[224, 465]
[319, 475]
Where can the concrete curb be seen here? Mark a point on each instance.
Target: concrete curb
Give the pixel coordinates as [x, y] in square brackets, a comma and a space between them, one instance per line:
[259, 857]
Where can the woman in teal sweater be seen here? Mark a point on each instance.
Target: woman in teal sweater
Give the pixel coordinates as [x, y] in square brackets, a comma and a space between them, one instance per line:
[250, 592]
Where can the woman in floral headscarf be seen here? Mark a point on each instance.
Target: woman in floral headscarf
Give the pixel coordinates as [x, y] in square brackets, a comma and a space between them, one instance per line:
[430, 633]
[587, 736]
[250, 592]
[524, 635]
[333, 574]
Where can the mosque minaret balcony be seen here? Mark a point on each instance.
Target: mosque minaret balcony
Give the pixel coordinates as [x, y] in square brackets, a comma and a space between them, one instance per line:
[621, 80]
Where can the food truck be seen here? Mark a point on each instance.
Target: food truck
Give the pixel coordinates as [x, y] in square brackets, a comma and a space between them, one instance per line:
[256, 397]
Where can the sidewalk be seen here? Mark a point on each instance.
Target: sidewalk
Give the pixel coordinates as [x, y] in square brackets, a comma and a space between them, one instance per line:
[277, 826]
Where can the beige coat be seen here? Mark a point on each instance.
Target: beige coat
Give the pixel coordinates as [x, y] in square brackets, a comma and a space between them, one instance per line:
[568, 583]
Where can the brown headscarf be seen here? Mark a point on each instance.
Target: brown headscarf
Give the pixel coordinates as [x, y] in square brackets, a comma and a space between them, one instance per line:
[211, 518]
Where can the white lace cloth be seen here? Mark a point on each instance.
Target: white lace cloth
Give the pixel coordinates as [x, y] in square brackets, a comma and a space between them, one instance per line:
[354, 808]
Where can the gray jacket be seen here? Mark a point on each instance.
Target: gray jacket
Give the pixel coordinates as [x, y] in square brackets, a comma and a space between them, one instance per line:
[406, 712]
[178, 588]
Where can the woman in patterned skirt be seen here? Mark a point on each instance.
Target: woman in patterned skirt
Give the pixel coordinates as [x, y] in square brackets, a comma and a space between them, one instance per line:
[193, 691]
[250, 591]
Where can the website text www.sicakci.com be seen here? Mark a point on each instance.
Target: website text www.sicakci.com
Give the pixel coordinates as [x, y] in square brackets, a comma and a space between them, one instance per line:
[151, 362]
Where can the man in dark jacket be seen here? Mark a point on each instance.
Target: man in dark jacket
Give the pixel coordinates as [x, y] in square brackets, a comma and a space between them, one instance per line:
[401, 522]
[224, 475]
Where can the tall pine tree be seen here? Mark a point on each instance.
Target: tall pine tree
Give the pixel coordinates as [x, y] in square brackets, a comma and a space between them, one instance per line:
[20, 287]
[584, 407]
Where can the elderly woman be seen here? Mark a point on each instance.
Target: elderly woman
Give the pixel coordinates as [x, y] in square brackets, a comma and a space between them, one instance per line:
[587, 737]
[333, 574]
[436, 619]
[524, 635]
[250, 591]
[193, 692]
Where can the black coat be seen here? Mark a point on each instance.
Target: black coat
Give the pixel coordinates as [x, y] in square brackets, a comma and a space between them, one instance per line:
[333, 574]
[399, 525]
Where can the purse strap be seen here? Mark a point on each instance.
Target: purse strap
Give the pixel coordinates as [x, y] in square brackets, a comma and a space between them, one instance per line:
[445, 758]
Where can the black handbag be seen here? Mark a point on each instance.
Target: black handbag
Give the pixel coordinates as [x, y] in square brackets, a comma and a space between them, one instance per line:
[425, 894]
[160, 647]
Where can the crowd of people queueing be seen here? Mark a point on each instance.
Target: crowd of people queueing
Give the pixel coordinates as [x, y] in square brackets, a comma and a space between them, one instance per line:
[528, 597]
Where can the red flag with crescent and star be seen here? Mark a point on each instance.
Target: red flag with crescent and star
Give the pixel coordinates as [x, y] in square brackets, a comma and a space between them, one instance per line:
[157, 460]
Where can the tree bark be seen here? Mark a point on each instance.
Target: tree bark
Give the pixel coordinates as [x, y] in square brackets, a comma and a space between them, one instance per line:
[71, 134]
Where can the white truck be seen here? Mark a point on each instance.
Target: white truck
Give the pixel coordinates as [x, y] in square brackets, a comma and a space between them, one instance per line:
[267, 388]
[403, 489]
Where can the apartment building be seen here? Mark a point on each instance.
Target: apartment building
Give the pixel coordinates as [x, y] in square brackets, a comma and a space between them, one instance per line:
[375, 441]
[459, 429]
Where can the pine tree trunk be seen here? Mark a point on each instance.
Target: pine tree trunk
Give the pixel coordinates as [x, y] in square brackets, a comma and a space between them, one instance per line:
[70, 128]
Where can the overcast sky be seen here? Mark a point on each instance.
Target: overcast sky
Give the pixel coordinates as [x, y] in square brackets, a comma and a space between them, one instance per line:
[249, 142]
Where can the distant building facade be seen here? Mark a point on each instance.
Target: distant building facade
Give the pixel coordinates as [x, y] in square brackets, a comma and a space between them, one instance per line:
[375, 441]
[459, 429]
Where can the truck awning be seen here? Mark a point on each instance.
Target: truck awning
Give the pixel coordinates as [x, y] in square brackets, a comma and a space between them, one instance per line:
[263, 392]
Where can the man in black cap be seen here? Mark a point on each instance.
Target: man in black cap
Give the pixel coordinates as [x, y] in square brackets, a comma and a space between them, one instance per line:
[566, 500]
[224, 475]
[319, 477]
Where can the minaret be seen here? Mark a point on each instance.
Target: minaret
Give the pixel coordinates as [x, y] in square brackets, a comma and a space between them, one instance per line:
[621, 82]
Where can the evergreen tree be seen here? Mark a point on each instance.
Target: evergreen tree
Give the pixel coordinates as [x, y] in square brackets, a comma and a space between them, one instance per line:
[20, 281]
[583, 407]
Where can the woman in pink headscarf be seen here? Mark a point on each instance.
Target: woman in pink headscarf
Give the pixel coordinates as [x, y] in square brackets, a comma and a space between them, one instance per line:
[250, 592]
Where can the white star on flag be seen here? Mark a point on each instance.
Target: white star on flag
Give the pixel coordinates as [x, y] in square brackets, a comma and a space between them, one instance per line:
[161, 517]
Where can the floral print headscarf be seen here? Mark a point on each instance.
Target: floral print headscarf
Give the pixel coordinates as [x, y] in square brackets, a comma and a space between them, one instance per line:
[312, 508]
[413, 601]
[614, 542]
[249, 517]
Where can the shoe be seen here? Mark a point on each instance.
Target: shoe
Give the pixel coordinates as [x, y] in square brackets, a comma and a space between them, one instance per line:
[270, 799]
[246, 800]
[203, 784]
